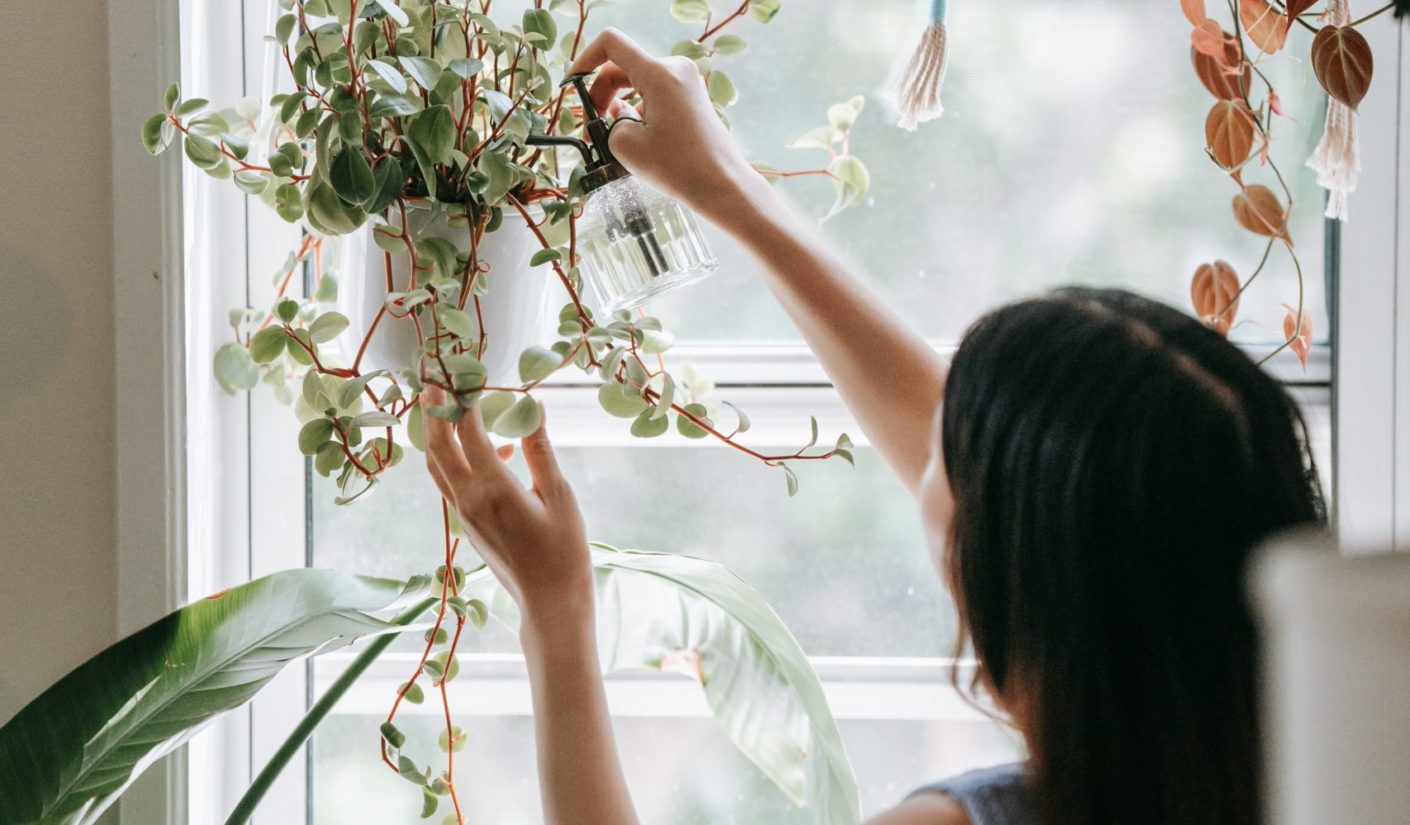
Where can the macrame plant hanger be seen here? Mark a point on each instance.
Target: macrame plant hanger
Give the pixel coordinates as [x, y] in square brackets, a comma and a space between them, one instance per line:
[917, 94]
[1337, 160]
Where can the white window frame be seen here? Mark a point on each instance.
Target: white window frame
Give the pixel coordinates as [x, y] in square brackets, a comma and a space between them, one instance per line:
[1372, 370]
[173, 545]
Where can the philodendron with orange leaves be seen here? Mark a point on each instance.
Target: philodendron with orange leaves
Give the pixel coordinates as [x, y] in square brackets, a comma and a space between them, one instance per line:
[1240, 126]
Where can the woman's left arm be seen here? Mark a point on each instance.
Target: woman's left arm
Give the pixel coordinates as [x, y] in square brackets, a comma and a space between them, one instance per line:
[534, 542]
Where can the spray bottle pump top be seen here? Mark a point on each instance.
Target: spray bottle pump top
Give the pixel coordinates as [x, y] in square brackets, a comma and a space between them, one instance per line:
[602, 167]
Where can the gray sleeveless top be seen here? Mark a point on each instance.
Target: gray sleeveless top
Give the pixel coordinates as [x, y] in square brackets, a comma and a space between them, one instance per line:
[992, 796]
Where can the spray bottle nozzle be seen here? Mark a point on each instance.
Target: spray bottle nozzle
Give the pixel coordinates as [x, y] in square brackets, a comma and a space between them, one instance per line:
[602, 167]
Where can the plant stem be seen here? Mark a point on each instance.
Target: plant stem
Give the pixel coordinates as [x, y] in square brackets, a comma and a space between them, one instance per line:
[301, 733]
[710, 31]
[1377, 13]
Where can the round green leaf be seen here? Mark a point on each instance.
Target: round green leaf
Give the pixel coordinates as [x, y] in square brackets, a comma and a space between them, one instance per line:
[425, 71]
[842, 116]
[327, 327]
[452, 740]
[203, 152]
[288, 202]
[763, 10]
[494, 405]
[648, 426]
[521, 420]
[722, 89]
[541, 22]
[413, 692]
[457, 321]
[327, 212]
[690, 11]
[329, 458]
[152, 134]
[851, 181]
[390, 74]
[314, 435]
[267, 344]
[388, 182]
[397, 105]
[235, 369]
[691, 49]
[537, 363]
[728, 44]
[434, 131]
[621, 400]
[287, 310]
[688, 428]
[351, 176]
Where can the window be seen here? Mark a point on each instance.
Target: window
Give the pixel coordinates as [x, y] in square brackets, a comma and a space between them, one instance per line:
[1071, 133]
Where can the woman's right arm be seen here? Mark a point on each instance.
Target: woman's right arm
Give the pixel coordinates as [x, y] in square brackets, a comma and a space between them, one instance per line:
[889, 377]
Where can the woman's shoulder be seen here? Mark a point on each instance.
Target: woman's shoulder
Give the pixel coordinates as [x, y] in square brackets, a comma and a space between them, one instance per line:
[991, 796]
[924, 810]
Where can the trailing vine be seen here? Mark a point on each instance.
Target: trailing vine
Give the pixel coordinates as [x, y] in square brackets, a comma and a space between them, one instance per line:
[402, 106]
[1239, 132]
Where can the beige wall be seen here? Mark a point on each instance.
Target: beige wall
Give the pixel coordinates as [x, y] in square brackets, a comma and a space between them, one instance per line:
[58, 602]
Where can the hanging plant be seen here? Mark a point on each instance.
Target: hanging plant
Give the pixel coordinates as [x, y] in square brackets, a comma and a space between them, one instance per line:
[409, 136]
[1241, 123]
[410, 125]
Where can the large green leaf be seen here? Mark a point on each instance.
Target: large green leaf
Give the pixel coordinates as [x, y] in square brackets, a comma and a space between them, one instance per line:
[70, 753]
[675, 613]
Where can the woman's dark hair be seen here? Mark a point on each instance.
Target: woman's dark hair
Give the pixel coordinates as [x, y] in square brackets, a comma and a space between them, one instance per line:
[1113, 463]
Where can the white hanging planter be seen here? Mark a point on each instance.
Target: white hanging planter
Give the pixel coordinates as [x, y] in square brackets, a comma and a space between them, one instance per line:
[520, 310]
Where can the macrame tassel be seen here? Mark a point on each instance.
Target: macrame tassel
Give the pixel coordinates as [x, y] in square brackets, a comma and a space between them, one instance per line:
[1337, 159]
[917, 94]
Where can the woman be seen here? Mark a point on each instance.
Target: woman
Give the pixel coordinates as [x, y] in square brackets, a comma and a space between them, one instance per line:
[1092, 485]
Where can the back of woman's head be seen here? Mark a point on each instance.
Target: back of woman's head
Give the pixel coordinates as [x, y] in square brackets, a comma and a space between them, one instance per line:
[1113, 464]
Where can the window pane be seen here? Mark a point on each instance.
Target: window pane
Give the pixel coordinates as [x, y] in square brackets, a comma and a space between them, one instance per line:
[844, 563]
[1071, 151]
[681, 771]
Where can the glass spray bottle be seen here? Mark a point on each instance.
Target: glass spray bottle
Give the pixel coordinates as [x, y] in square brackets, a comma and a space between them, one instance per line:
[636, 244]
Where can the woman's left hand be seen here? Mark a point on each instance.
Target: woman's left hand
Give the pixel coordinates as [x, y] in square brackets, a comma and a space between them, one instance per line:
[532, 539]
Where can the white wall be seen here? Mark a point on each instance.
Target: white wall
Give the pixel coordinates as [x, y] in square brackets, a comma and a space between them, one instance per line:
[58, 566]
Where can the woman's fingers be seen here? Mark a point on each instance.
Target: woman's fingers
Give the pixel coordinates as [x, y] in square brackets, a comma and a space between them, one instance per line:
[446, 460]
[615, 47]
[443, 483]
[627, 142]
[610, 82]
[475, 440]
[543, 463]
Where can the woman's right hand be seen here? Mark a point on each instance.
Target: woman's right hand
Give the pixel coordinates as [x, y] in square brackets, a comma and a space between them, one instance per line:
[680, 146]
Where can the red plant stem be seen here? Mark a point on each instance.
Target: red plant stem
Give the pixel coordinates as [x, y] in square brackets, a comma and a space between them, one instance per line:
[771, 173]
[450, 726]
[435, 629]
[498, 129]
[573, 55]
[557, 266]
[347, 451]
[224, 150]
[1377, 13]
[367, 339]
[337, 372]
[480, 325]
[652, 395]
[1287, 191]
[711, 31]
[309, 241]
